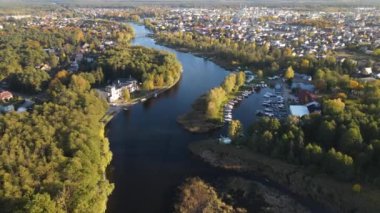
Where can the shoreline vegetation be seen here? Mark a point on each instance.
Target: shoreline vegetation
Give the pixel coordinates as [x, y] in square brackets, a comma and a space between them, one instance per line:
[63, 164]
[157, 70]
[336, 195]
[233, 194]
[207, 111]
[196, 195]
[205, 55]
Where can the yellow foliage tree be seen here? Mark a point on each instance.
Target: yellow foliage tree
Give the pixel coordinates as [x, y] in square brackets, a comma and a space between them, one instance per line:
[289, 74]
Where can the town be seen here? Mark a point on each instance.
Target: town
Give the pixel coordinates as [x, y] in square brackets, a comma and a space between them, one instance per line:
[304, 32]
[243, 106]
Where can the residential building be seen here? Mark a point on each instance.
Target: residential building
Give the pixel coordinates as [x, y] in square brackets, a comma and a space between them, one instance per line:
[115, 91]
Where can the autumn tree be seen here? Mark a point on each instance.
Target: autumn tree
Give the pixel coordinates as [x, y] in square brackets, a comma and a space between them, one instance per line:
[229, 83]
[289, 73]
[240, 79]
[333, 106]
[235, 129]
[126, 95]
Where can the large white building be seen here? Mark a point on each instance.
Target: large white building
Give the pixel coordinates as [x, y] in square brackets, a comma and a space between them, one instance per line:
[299, 110]
[115, 91]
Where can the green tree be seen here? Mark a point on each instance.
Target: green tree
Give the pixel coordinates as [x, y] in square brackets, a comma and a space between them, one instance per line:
[351, 141]
[53, 60]
[333, 106]
[41, 203]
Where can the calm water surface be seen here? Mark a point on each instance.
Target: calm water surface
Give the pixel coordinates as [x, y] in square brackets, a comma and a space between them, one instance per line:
[150, 155]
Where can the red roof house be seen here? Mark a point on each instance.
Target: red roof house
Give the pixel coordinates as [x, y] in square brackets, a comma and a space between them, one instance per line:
[305, 96]
[5, 96]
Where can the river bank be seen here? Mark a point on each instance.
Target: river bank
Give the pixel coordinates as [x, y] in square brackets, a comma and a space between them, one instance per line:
[115, 108]
[337, 196]
[205, 55]
[196, 120]
[233, 195]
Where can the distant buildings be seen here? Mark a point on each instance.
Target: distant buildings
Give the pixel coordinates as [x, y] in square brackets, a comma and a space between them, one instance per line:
[115, 91]
[303, 86]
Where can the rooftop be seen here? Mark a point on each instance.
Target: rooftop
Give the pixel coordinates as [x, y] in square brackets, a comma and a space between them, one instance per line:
[298, 110]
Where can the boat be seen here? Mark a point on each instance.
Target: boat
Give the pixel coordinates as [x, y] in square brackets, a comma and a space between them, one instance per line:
[268, 110]
[125, 108]
[229, 106]
[268, 114]
[224, 140]
[259, 113]
[155, 95]
[143, 99]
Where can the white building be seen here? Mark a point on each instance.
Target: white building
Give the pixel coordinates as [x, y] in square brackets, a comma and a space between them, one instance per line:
[299, 110]
[115, 91]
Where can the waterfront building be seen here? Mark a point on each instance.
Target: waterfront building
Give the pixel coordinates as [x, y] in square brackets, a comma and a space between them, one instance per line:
[115, 91]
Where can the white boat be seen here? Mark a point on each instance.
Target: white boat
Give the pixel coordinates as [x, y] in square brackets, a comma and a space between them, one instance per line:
[268, 110]
[268, 114]
[229, 107]
[225, 140]
[143, 99]
[155, 95]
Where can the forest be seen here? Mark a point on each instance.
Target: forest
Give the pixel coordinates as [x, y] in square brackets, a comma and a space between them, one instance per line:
[32, 55]
[23, 53]
[54, 156]
[155, 69]
[342, 141]
[50, 166]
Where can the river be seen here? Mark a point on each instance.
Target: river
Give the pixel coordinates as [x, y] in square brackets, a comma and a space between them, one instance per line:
[150, 155]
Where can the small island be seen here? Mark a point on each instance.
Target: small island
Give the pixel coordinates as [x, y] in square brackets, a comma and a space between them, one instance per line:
[212, 110]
